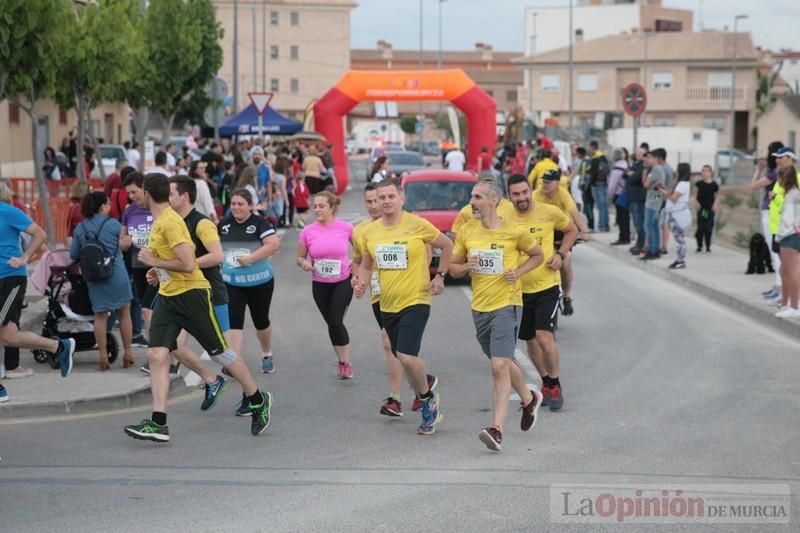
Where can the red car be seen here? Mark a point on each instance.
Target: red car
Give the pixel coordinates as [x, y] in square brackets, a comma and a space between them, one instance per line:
[438, 196]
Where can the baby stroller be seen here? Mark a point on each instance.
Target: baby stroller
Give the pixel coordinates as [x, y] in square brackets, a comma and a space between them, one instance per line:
[69, 310]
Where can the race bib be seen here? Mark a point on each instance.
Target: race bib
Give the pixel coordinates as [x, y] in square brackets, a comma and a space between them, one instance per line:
[163, 275]
[232, 257]
[375, 284]
[328, 268]
[392, 256]
[489, 261]
[140, 239]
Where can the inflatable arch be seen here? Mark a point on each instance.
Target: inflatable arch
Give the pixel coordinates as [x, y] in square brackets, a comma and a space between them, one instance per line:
[405, 85]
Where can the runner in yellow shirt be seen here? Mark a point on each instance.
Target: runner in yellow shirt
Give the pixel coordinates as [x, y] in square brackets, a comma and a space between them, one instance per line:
[396, 245]
[183, 302]
[504, 208]
[541, 289]
[551, 193]
[544, 164]
[496, 254]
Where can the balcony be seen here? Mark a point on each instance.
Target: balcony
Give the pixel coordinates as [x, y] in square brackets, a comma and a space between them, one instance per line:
[715, 95]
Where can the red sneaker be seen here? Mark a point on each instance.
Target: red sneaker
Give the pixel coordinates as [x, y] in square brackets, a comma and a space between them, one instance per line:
[556, 398]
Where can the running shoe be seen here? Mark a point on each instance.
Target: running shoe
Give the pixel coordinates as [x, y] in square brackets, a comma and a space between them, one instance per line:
[174, 369]
[3, 394]
[267, 365]
[140, 342]
[212, 393]
[771, 294]
[145, 368]
[529, 411]
[556, 398]
[148, 430]
[491, 437]
[66, 349]
[431, 416]
[345, 371]
[244, 408]
[260, 420]
[19, 372]
[416, 405]
[391, 407]
[545, 395]
[788, 312]
[567, 309]
[676, 265]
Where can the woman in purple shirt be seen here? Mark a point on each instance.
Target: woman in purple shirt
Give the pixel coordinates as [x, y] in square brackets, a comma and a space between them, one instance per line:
[323, 250]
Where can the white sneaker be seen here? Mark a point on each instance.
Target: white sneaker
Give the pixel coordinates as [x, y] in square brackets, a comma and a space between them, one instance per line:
[19, 372]
[788, 312]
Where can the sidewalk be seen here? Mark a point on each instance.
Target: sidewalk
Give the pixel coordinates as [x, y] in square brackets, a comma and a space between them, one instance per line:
[719, 276]
[86, 390]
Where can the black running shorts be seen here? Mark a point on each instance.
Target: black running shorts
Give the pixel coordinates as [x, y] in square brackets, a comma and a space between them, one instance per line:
[376, 310]
[12, 297]
[405, 328]
[191, 310]
[539, 312]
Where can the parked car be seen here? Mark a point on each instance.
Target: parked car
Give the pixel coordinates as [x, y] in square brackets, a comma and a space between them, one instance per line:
[379, 150]
[438, 196]
[726, 161]
[107, 156]
[403, 162]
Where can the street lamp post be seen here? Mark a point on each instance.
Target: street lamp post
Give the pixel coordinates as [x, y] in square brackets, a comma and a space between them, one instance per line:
[531, 53]
[420, 67]
[571, 69]
[235, 56]
[439, 65]
[732, 125]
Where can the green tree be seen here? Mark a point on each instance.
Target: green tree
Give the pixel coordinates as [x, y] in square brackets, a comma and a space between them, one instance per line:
[408, 123]
[31, 43]
[183, 39]
[98, 62]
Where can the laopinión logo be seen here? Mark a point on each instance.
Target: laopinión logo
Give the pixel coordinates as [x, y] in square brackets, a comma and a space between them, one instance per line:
[671, 504]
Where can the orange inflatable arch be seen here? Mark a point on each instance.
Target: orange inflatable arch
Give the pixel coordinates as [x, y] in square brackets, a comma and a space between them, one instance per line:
[452, 86]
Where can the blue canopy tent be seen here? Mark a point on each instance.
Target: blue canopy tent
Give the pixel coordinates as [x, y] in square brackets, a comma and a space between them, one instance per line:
[246, 123]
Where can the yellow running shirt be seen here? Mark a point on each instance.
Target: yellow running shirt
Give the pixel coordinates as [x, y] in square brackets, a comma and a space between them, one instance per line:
[498, 250]
[465, 215]
[541, 221]
[538, 171]
[562, 199]
[358, 252]
[400, 256]
[168, 231]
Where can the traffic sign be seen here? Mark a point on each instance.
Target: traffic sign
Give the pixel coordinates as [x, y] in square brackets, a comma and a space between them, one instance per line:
[419, 127]
[260, 101]
[634, 99]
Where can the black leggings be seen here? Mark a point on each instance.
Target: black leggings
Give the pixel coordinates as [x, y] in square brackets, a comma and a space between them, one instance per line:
[257, 298]
[332, 300]
[705, 228]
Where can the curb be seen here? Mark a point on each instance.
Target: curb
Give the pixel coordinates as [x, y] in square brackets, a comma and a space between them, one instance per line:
[136, 398]
[748, 309]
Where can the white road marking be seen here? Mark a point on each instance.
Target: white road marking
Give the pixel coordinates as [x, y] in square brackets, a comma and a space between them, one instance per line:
[531, 375]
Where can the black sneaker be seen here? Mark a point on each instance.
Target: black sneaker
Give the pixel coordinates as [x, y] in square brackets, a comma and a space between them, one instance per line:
[677, 264]
[148, 430]
[529, 411]
[145, 368]
[491, 437]
[244, 408]
[566, 308]
[139, 341]
[212, 393]
[635, 250]
[174, 369]
[260, 420]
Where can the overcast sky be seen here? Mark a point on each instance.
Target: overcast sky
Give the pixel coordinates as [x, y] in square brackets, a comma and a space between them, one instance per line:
[774, 23]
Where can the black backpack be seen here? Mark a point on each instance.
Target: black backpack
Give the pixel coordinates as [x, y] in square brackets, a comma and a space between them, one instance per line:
[601, 171]
[96, 264]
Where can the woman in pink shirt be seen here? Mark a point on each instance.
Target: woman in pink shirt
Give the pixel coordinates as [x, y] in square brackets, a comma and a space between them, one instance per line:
[323, 250]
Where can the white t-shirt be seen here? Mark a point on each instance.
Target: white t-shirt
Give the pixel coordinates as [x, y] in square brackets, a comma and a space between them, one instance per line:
[455, 160]
[377, 177]
[170, 160]
[134, 157]
[204, 203]
[684, 188]
[575, 189]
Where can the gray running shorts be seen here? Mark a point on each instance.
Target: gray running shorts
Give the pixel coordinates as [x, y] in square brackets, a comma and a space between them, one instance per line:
[497, 331]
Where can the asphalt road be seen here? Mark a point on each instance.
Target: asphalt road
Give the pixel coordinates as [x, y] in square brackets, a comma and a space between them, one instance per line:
[661, 387]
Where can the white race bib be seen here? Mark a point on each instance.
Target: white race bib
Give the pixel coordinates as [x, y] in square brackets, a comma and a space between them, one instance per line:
[328, 268]
[489, 261]
[375, 284]
[163, 275]
[232, 257]
[392, 256]
[141, 239]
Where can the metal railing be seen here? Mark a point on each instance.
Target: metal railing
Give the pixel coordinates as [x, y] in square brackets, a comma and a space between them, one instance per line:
[714, 94]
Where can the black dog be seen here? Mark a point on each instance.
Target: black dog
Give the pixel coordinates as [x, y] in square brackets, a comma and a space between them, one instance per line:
[760, 260]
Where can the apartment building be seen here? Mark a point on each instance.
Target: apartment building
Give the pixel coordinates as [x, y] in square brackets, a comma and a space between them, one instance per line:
[688, 76]
[296, 49]
[492, 71]
[109, 122]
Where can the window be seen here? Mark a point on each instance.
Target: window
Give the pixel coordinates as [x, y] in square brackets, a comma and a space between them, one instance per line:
[274, 52]
[511, 96]
[587, 82]
[13, 113]
[274, 85]
[662, 81]
[294, 85]
[62, 118]
[664, 121]
[697, 136]
[295, 18]
[274, 18]
[294, 53]
[715, 122]
[549, 83]
[720, 79]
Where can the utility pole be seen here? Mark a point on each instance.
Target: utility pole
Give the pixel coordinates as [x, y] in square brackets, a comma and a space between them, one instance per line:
[255, 53]
[421, 109]
[531, 52]
[264, 47]
[736, 20]
[235, 56]
[571, 69]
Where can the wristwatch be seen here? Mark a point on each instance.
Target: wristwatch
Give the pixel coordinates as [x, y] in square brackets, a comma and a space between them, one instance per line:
[558, 252]
[442, 274]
